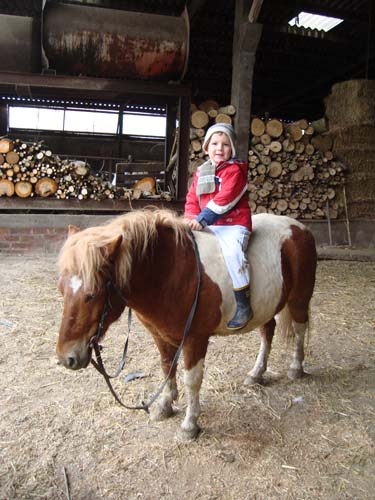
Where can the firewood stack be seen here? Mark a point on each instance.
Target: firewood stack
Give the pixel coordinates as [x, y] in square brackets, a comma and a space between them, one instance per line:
[292, 170]
[31, 169]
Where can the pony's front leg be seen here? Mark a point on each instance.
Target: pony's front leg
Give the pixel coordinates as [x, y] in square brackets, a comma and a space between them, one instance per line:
[266, 335]
[194, 364]
[163, 406]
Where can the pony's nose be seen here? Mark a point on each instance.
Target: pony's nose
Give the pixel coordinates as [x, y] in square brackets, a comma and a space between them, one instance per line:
[72, 362]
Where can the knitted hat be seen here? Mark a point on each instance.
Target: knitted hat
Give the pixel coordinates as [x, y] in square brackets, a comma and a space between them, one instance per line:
[221, 127]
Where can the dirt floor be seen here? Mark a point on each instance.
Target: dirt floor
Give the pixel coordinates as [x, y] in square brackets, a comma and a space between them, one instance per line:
[63, 436]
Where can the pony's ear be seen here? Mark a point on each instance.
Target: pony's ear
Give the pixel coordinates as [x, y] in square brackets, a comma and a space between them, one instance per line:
[73, 229]
[110, 250]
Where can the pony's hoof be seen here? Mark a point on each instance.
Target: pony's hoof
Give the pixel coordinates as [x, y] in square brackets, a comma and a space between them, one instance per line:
[295, 373]
[249, 381]
[160, 413]
[185, 435]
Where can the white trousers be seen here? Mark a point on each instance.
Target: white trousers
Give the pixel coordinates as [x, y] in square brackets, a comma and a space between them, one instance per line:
[233, 241]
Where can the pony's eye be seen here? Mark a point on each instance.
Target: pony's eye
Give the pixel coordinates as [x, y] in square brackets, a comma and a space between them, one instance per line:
[89, 297]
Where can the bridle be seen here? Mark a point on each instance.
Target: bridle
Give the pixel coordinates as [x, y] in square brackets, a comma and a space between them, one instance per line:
[94, 341]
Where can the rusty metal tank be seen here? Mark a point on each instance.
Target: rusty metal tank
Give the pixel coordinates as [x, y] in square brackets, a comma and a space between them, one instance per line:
[96, 41]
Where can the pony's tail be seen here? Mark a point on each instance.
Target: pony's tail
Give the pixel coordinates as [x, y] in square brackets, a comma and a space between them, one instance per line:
[285, 325]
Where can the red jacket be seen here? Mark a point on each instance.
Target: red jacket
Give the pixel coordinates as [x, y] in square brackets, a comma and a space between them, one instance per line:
[228, 205]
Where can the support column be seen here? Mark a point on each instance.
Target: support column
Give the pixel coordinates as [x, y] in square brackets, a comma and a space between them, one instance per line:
[245, 42]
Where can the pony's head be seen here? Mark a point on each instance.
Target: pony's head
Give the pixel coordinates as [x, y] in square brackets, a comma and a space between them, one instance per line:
[87, 282]
[95, 268]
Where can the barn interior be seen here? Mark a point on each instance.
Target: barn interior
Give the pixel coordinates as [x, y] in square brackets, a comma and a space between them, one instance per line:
[76, 55]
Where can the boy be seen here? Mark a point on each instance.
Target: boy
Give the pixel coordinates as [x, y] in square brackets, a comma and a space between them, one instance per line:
[217, 200]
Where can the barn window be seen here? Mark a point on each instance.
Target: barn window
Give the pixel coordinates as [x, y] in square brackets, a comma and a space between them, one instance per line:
[144, 125]
[315, 21]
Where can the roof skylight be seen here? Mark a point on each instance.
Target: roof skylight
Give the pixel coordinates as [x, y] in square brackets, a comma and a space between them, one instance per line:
[315, 21]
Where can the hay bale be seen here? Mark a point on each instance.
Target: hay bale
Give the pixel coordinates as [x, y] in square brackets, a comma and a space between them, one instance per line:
[351, 103]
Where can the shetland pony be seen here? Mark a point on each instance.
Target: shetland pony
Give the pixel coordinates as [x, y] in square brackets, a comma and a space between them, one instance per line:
[148, 257]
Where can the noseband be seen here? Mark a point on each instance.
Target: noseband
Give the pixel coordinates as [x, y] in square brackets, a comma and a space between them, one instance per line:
[94, 342]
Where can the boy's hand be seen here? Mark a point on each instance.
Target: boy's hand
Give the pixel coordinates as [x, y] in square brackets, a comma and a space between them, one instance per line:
[194, 225]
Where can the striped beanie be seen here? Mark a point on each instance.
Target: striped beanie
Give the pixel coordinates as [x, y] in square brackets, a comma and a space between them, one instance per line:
[226, 129]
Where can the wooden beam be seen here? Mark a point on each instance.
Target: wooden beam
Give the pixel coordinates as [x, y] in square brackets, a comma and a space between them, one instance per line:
[245, 43]
[255, 10]
[103, 86]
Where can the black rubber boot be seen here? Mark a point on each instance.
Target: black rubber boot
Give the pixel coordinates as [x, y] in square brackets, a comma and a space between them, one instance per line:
[243, 313]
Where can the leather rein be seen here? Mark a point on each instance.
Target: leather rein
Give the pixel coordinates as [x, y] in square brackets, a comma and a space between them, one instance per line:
[94, 342]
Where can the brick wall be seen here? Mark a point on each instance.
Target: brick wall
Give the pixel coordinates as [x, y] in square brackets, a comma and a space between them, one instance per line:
[21, 240]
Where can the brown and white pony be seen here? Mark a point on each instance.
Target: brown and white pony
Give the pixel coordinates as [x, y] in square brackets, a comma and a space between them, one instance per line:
[148, 256]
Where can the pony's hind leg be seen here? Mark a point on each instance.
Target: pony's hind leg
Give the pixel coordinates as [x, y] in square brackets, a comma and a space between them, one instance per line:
[266, 335]
[296, 367]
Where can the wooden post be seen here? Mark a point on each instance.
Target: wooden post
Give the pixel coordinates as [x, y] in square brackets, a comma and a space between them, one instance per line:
[183, 147]
[245, 42]
[3, 119]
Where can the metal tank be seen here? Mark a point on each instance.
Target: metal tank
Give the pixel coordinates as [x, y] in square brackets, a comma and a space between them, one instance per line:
[95, 41]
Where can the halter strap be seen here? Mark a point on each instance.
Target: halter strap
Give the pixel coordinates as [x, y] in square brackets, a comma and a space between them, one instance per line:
[98, 364]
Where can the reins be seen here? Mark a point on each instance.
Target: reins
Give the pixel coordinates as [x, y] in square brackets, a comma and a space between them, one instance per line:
[94, 342]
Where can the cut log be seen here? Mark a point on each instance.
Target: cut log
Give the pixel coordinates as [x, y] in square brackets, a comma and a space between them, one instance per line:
[274, 128]
[304, 173]
[12, 157]
[309, 149]
[257, 127]
[275, 169]
[196, 145]
[282, 205]
[299, 147]
[265, 139]
[212, 113]
[1, 159]
[288, 145]
[199, 119]
[228, 110]
[6, 187]
[276, 146]
[295, 131]
[302, 123]
[293, 204]
[6, 145]
[208, 105]
[222, 118]
[145, 185]
[23, 189]
[45, 187]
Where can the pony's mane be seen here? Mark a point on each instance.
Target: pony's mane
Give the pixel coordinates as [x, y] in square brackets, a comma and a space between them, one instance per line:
[83, 253]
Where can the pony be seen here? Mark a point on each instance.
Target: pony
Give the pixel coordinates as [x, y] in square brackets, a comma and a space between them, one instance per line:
[147, 258]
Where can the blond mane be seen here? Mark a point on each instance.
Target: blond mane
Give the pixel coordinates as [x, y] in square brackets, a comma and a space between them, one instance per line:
[83, 253]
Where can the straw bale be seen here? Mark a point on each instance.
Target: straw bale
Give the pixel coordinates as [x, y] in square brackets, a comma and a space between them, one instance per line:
[351, 103]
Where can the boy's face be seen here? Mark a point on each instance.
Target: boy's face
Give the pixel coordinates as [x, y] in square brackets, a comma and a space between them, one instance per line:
[219, 148]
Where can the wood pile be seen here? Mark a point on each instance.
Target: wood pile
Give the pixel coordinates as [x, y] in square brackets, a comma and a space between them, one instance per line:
[292, 169]
[31, 169]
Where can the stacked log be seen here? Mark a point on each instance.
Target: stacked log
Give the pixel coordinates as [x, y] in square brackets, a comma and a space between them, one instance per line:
[31, 169]
[292, 170]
